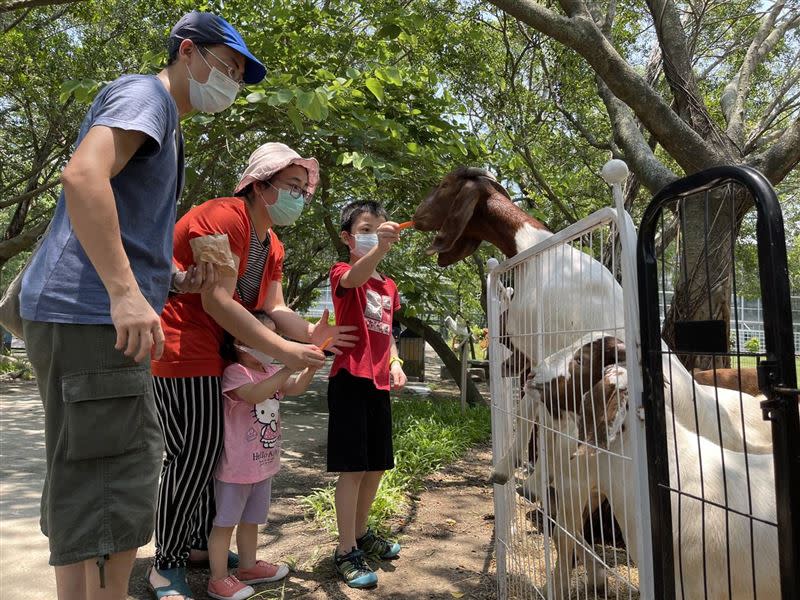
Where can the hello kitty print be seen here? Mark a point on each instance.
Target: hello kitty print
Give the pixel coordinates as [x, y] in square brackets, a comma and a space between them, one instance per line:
[252, 448]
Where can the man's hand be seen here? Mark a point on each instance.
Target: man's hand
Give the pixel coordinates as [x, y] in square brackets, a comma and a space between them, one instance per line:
[138, 326]
[196, 279]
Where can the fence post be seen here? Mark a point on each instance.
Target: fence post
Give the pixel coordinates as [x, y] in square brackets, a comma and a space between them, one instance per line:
[464, 371]
[464, 346]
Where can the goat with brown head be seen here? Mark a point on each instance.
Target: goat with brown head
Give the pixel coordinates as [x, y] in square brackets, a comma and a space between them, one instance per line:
[467, 207]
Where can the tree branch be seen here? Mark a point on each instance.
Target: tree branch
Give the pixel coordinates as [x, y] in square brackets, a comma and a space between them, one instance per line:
[775, 109]
[735, 95]
[574, 7]
[569, 115]
[29, 194]
[779, 159]
[650, 171]
[19, 243]
[690, 149]
[544, 186]
[678, 69]
[16, 5]
[17, 21]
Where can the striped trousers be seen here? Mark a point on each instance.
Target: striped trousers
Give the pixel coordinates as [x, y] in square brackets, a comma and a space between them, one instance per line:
[191, 416]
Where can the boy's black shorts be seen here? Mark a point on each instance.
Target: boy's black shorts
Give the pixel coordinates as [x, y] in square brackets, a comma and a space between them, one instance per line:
[359, 425]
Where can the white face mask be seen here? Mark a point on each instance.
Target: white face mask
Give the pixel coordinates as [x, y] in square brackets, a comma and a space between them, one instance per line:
[264, 359]
[216, 94]
[364, 243]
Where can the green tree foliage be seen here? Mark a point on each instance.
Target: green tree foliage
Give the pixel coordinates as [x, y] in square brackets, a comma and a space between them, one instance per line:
[391, 95]
[345, 83]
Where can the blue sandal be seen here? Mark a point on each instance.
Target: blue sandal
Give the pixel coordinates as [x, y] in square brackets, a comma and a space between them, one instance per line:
[233, 562]
[177, 585]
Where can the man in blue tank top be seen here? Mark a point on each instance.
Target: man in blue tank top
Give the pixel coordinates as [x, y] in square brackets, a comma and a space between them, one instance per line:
[91, 300]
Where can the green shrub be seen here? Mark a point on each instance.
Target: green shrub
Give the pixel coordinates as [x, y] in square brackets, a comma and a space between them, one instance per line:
[753, 345]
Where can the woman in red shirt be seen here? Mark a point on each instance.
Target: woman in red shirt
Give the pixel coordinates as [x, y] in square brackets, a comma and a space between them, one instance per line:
[187, 377]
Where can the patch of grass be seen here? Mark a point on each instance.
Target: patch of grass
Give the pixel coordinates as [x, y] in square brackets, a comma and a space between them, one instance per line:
[428, 433]
[16, 367]
[278, 593]
[750, 362]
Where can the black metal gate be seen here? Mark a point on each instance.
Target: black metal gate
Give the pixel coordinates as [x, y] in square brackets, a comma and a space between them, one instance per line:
[724, 491]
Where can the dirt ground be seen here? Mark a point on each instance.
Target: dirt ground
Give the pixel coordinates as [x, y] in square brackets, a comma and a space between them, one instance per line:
[447, 533]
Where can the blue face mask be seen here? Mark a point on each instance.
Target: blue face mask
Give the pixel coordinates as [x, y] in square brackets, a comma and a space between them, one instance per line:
[286, 209]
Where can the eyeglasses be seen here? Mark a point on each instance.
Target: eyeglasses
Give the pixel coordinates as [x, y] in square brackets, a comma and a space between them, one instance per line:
[294, 191]
[231, 70]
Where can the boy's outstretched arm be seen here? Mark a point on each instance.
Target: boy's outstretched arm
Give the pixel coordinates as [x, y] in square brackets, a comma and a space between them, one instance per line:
[253, 393]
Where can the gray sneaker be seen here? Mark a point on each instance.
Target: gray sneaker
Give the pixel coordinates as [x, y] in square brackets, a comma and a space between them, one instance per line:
[374, 545]
[354, 569]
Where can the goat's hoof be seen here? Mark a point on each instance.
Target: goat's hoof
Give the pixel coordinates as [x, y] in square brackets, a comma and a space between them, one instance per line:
[498, 477]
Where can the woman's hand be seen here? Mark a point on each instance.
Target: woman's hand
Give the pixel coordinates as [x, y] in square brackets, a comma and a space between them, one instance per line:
[196, 279]
[341, 338]
[397, 376]
[298, 356]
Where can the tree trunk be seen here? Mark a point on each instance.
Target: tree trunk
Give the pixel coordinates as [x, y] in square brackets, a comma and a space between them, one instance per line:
[450, 360]
[703, 283]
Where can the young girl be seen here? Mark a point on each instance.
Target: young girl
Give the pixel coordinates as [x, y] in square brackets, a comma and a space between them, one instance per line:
[252, 389]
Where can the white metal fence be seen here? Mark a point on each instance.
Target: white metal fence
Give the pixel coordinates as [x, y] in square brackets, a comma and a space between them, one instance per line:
[578, 524]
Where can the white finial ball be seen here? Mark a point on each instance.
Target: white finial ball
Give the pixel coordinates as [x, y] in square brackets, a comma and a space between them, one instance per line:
[614, 171]
[492, 263]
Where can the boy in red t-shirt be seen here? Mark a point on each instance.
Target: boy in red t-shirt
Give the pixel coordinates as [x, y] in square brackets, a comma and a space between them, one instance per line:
[360, 415]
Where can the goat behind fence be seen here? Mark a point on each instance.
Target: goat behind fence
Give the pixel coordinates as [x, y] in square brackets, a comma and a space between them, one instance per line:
[557, 319]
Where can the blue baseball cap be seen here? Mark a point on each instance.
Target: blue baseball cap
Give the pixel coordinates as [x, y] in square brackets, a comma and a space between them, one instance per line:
[208, 28]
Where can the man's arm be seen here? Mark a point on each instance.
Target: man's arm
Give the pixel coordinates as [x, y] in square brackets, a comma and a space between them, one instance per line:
[91, 207]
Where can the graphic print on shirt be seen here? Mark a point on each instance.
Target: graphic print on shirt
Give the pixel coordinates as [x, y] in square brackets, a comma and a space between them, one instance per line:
[374, 311]
[266, 413]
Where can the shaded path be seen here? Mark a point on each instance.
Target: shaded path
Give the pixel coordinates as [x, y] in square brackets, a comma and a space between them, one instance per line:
[446, 536]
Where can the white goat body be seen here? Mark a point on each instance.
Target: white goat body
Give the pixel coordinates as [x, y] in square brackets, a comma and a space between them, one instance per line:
[740, 416]
[562, 295]
[706, 471]
[567, 297]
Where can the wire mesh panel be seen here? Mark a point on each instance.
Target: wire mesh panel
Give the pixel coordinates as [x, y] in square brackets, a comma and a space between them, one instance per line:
[571, 513]
[715, 456]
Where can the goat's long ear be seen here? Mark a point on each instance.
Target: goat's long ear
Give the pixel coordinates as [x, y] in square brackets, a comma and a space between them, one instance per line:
[462, 207]
[603, 413]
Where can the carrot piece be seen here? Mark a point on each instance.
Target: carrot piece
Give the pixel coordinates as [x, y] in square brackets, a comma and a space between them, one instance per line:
[406, 225]
[326, 343]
